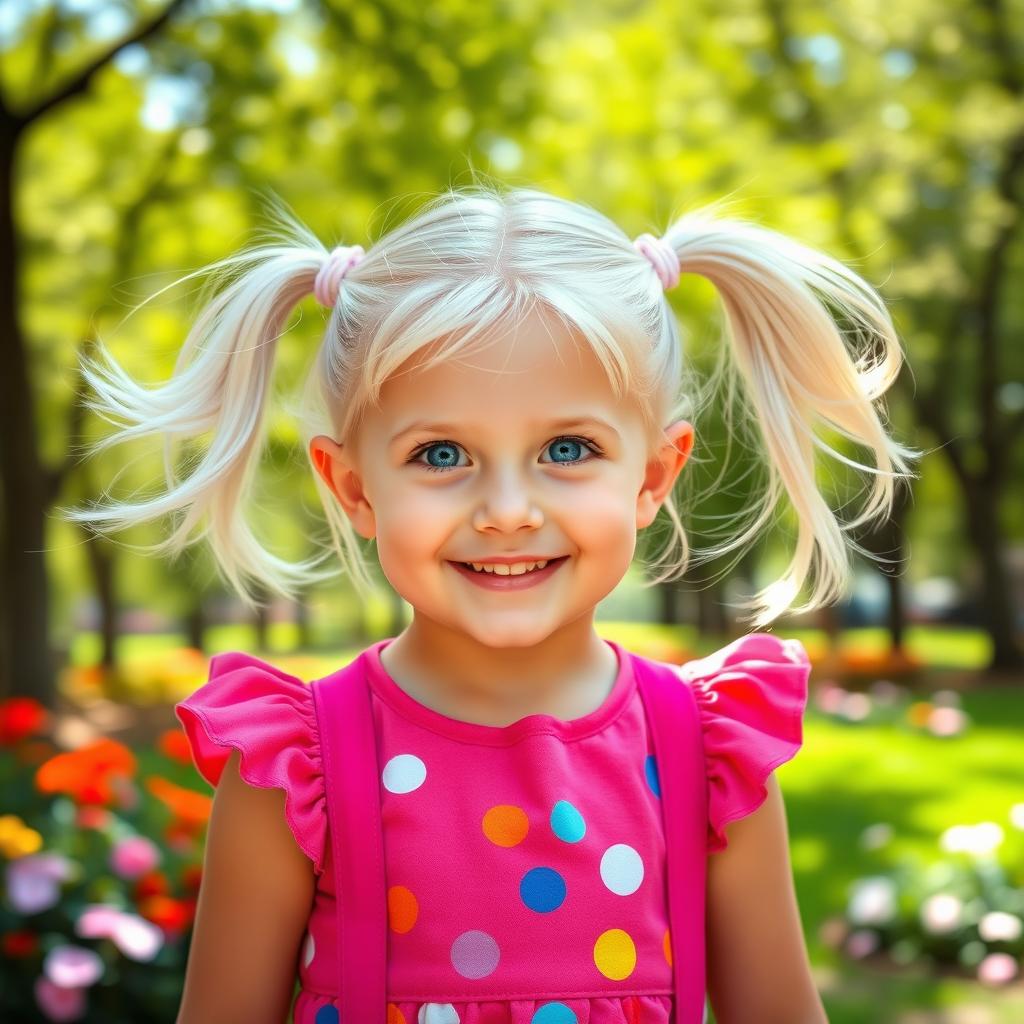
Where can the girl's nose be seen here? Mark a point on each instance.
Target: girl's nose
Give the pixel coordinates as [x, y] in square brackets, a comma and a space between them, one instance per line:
[507, 504]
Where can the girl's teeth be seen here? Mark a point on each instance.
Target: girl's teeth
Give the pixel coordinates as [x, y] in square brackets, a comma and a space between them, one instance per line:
[515, 569]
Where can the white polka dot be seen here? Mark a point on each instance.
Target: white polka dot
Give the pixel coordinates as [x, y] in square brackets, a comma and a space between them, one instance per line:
[310, 951]
[437, 1013]
[404, 773]
[622, 870]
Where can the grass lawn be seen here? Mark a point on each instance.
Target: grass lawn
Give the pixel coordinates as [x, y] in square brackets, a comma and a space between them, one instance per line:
[847, 776]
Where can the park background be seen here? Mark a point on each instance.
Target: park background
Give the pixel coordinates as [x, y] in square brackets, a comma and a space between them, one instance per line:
[138, 142]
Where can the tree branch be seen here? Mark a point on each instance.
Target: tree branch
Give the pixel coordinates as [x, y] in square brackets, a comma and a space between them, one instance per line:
[81, 81]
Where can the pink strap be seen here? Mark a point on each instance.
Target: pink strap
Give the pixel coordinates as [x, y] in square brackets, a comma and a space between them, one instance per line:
[674, 722]
[348, 750]
[349, 753]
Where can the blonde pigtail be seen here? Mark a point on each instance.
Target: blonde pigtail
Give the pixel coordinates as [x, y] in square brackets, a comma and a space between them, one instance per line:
[800, 371]
[219, 387]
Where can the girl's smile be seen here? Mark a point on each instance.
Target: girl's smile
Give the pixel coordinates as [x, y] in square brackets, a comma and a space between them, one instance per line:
[514, 576]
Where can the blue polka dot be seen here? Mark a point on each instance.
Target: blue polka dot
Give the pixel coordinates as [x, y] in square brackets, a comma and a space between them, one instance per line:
[326, 1015]
[651, 771]
[567, 823]
[542, 889]
[554, 1013]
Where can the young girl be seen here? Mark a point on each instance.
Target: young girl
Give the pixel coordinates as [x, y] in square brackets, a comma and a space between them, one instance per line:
[500, 377]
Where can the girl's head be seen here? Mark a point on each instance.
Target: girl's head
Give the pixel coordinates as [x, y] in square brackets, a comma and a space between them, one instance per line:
[499, 327]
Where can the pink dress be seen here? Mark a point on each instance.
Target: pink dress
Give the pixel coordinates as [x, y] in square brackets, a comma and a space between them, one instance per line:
[525, 864]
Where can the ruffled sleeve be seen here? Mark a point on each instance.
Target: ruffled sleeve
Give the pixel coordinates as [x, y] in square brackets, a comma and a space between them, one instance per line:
[751, 696]
[269, 717]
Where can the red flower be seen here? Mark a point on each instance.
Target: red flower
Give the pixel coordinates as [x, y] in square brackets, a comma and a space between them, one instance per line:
[154, 883]
[173, 916]
[23, 943]
[21, 717]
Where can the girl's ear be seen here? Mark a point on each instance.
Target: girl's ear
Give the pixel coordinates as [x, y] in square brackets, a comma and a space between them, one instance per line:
[662, 471]
[332, 462]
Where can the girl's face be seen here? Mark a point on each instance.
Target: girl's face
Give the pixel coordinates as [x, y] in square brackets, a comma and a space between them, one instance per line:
[519, 450]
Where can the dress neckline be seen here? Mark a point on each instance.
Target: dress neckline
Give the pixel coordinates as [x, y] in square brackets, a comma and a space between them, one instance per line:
[501, 735]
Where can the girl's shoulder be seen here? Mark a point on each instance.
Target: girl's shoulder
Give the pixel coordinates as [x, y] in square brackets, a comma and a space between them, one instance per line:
[751, 695]
[268, 715]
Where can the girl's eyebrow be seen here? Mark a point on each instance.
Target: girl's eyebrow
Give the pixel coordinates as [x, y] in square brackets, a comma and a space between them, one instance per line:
[565, 423]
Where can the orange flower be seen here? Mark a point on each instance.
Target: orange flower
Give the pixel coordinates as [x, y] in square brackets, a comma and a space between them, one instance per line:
[85, 774]
[191, 877]
[191, 810]
[21, 717]
[173, 743]
[919, 713]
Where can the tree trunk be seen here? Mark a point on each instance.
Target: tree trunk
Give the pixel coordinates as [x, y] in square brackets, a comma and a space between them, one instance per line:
[101, 561]
[27, 666]
[997, 606]
[195, 625]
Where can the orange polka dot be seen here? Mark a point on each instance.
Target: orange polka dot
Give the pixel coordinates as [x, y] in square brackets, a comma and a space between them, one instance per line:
[403, 908]
[666, 945]
[506, 825]
[395, 1015]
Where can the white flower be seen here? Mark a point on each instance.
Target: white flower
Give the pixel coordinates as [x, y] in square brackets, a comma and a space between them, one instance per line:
[1017, 816]
[875, 836]
[856, 707]
[947, 721]
[979, 840]
[941, 913]
[872, 901]
[998, 926]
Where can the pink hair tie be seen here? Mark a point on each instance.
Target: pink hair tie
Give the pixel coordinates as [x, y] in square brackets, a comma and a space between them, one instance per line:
[340, 260]
[661, 256]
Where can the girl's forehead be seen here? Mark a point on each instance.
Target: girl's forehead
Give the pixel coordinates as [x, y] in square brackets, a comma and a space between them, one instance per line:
[527, 379]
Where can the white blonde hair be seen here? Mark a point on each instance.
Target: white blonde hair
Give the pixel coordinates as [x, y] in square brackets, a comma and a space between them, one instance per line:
[474, 261]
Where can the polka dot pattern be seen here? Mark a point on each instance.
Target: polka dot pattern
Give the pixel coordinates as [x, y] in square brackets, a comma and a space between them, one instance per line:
[567, 823]
[438, 1013]
[615, 954]
[404, 773]
[395, 1015]
[622, 869]
[554, 1013]
[327, 1015]
[651, 774]
[506, 825]
[309, 950]
[403, 909]
[475, 954]
[542, 889]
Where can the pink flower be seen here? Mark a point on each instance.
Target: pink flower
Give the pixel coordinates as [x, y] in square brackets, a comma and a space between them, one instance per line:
[136, 937]
[57, 1003]
[73, 966]
[947, 721]
[33, 882]
[134, 857]
[997, 969]
[861, 943]
[98, 921]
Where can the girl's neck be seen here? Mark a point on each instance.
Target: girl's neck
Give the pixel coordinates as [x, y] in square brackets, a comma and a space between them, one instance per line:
[568, 675]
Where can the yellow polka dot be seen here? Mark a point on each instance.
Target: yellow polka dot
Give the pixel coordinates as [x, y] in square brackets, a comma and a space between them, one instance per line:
[403, 908]
[506, 825]
[615, 954]
[666, 945]
[395, 1015]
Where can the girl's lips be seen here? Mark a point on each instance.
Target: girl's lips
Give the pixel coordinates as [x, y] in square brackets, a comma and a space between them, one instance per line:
[492, 581]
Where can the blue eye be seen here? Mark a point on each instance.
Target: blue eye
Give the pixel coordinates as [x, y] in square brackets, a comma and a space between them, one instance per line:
[447, 453]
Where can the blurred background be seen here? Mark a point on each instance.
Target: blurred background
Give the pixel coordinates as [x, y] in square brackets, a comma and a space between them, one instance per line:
[135, 141]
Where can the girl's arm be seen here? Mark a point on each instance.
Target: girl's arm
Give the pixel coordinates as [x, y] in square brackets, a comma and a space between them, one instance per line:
[254, 901]
[757, 964]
